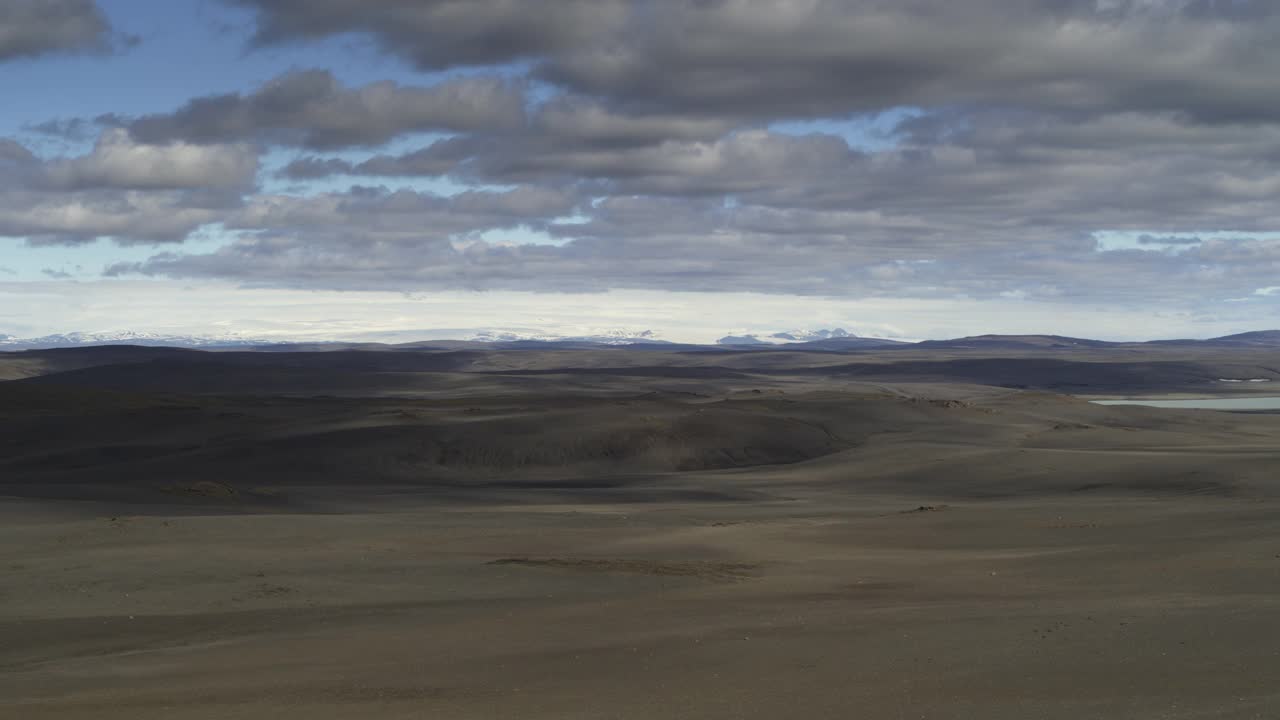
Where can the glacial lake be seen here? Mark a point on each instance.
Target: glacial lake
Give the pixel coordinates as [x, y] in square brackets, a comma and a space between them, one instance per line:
[1235, 403]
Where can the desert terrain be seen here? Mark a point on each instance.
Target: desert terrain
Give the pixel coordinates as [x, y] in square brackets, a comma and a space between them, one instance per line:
[468, 532]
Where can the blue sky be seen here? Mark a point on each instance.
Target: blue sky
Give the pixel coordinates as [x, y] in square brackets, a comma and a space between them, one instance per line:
[185, 47]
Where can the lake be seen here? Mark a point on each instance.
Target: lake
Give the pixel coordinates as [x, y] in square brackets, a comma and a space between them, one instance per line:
[1235, 403]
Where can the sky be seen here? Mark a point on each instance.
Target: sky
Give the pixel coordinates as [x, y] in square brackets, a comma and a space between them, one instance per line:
[411, 169]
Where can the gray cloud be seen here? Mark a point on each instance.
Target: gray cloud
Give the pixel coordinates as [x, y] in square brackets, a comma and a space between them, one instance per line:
[766, 59]
[379, 214]
[117, 161]
[128, 216]
[1033, 125]
[996, 204]
[723, 261]
[437, 34]
[64, 128]
[311, 168]
[367, 232]
[133, 192]
[29, 28]
[440, 158]
[311, 108]
[378, 242]
[990, 171]
[15, 157]
[564, 132]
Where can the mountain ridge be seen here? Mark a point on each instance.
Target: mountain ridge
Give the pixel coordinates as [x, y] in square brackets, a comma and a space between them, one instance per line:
[836, 340]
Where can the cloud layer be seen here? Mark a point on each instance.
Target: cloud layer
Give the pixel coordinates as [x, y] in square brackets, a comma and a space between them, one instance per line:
[122, 189]
[947, 148]
[758, 58]
[311, 109]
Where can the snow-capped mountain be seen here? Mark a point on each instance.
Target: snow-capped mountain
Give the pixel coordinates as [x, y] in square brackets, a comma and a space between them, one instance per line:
[597, 337]
[837, 338]
[784, 337]
[810, 335]
[128, 337]
[232, 340]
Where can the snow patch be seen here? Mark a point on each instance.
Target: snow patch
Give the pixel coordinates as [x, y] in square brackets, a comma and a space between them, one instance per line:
[128, 337]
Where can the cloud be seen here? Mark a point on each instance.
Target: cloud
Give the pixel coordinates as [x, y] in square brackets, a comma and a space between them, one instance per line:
[371, 239]
[437, 34]
[350, 239]
[15, 157]
[1013, 133]
[375, 212]
[77, 129]
[117, 161]
[130, 217]
[311, 168]
[310, 108]
[30, 28]
[765, 59]
[440, 158]
[129, 191]
[984, 204]
[991, 177]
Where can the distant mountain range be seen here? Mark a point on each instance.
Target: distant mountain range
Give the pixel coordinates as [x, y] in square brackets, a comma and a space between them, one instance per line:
[128, 337]
[810, 335]
[836, 339]
[1258, 339]
[230, 341]
[1017, 342]
[605, 337]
